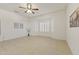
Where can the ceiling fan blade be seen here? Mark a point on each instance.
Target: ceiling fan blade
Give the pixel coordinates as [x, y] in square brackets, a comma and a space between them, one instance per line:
[33, 12]
[22, 7]
[35, 9]
[26, 11]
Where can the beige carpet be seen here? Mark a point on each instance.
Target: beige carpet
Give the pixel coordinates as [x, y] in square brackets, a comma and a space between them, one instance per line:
[34, 46]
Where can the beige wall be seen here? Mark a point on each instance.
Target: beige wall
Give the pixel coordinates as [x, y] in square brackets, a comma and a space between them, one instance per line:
[72, 33]
[58, 24]
[7, 20]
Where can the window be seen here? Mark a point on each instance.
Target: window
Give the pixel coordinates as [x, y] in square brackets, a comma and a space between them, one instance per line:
[35, 27]
[44, 26]
[18, 26]
[40, 26]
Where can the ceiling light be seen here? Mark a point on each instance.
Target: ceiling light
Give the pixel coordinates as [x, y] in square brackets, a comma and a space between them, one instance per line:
[28, 8]
[29, 11]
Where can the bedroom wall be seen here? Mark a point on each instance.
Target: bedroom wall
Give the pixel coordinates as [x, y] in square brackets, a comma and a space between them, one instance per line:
[58, 24]
[72, 33]
[57, 21]
[7, 20]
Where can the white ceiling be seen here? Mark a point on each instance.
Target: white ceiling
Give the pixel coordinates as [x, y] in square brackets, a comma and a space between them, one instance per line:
[43, 8]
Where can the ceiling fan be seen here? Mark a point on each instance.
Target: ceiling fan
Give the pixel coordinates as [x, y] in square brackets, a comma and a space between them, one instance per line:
[28, 8]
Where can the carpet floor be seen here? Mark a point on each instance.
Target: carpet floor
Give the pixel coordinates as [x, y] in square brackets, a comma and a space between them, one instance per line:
[35, 45]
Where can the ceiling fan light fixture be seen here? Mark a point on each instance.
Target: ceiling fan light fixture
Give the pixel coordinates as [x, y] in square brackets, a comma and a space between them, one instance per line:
[28, 8]
[29, 11]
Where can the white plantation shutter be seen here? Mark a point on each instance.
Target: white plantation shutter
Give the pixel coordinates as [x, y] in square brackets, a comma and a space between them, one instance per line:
[34, 26]
[40, 26]
[44, 26]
